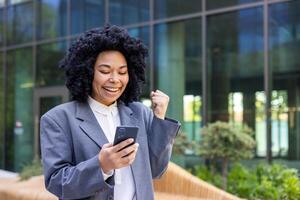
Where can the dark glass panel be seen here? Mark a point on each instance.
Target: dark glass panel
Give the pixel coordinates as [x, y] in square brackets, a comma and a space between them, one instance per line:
[47, 72]
[178, 71]
[51, 18]
[123, 12]
[20, 23]
[86, 14]
[284, 48]
[143, 34]
[213, 4]
[170, 8]
[19, 120]
[235, 71]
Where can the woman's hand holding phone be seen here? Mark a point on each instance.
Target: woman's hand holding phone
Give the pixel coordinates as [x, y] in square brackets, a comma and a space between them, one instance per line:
[117, 156]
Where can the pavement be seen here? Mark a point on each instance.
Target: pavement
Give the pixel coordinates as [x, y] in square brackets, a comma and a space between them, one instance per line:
[7, 174]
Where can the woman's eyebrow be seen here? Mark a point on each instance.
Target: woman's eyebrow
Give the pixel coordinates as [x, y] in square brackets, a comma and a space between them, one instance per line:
[104, 65]
[108, 66]
[123, 66]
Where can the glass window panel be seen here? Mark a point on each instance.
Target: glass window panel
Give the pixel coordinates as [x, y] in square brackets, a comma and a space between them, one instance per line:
[170, 8]
[20, 23]
[212, 4]
[143, 34]
[284, 48]
[235, 70]
[48, 56]
[19, 120]
[86, 14]
[135, 11]
[178, 71]
[51, 18]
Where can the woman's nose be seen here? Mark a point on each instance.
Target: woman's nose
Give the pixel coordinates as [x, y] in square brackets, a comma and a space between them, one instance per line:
[113, 78]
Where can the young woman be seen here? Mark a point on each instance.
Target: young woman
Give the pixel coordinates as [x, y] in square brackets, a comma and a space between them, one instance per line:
[104, 70]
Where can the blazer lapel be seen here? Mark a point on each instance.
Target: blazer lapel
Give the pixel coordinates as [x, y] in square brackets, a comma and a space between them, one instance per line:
[126, 115]
[89, 124]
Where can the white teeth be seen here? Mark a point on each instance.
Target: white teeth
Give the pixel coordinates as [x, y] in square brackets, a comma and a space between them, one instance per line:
[112, 89]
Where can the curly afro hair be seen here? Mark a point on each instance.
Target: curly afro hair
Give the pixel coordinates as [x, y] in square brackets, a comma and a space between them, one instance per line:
[81, 57]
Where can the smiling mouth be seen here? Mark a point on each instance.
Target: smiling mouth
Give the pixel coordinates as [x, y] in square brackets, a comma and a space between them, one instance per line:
[109, 89]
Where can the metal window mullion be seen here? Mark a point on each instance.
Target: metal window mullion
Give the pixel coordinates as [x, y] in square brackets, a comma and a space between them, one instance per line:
[204, 66]
[267, 83]
[151, 46]
[68, 23]
[34, 69]
[4, 72]
[106, 11]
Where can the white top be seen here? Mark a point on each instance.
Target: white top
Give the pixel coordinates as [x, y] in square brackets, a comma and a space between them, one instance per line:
[108, 118]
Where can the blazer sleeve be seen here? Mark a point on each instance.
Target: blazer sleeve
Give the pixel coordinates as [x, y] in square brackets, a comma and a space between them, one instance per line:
[161, 134]
[62, 177]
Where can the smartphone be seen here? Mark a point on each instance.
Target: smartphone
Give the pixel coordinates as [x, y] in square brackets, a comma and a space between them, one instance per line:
[124, 133]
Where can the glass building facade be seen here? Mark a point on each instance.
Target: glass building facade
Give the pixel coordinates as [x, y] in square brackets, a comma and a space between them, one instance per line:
[229, 60]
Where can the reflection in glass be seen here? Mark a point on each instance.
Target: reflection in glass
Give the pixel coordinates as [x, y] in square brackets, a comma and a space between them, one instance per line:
[170, 8]
[279, 118]
[260, 123]
[143, 34]
[212, 4]
[178, 71]
[19, 121]
[48, 56]
[12, 2]
[235, 108]
[284, 48]
[86, 14]
[20, 23]
[51, 18]
[123, 12]
[235, 69]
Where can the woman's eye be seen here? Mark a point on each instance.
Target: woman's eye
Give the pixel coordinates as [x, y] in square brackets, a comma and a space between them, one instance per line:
[123, 73]
[104, 72]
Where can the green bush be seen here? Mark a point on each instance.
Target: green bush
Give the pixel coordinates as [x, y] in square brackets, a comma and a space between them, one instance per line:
[35, 168]
[182, 145]
[205, 174]
[264, 182]
[224, 142]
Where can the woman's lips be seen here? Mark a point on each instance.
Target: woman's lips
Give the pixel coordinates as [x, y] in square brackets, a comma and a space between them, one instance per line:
[112, 89]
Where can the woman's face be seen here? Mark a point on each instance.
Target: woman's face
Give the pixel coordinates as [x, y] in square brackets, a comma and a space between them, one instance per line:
[110, 77]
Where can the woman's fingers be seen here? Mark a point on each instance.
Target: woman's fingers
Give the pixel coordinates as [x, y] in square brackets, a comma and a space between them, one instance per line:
[122, 145]
[160, 103]
[128, 150]
[129, 158]
[118, 156]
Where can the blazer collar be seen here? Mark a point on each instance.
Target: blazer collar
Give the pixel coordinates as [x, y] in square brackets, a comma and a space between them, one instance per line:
[91, 127]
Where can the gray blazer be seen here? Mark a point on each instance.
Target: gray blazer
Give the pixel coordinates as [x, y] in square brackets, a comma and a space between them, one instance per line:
[71, 139]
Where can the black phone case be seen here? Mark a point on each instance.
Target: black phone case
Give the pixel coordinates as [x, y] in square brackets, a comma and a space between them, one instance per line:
[124, 133]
